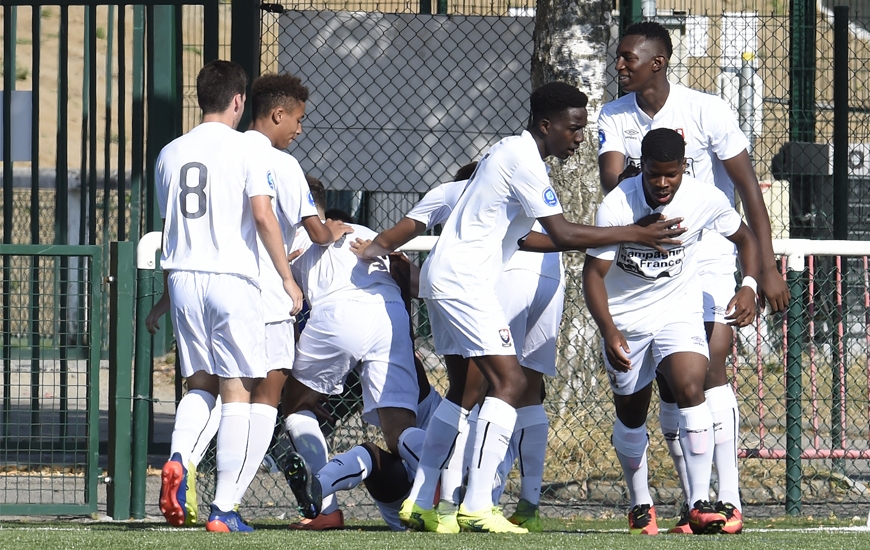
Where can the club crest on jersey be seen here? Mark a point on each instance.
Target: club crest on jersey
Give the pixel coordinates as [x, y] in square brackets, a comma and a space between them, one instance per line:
[310, 198]
[271, 180]
[550, 197]
[601, 138]
[505, 335]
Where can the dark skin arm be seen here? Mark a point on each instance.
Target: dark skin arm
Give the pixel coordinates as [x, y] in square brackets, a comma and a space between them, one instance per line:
[388, 240]
[541, 242]
[741, 309]
[574, 236]
[611, 165]
[324, 233]
[595, 295]
[771, 287]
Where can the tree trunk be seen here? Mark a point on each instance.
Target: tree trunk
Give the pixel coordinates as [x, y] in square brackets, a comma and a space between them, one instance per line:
[570, 46]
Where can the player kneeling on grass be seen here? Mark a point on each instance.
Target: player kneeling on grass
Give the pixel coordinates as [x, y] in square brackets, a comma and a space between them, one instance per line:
[648, 307]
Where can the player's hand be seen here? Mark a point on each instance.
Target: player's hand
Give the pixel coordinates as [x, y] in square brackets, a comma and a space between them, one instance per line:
[157, 311]
[630, 171]
[338, 229]
[359, 247]
[772, 290]
[295, 293]
[293, 255]
[616, 348]
[656, 232]
[741, 309]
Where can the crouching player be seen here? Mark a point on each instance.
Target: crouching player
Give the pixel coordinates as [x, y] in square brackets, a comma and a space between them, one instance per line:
[648, 308]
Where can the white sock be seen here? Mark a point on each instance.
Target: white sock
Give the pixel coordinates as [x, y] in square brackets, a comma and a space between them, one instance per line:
[453, 473]
[726, 419]
[696, 438]
[669, 419]
[531, 433]
[191, 419]
[631, 445]
[495, 425]
[204, 440]
[232, 442]
[448, 420]
[345, 471]
[504, 469]
[307, 439]
[259, 437]
[411, 446]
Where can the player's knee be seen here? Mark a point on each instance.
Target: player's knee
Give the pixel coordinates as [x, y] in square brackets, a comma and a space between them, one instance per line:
[630, 442]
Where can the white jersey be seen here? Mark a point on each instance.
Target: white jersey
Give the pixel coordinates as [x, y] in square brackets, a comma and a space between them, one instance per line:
[204, 181]
[293, 203]
[334, 273]
[507, 192]
[643, 284]
[546, 265]
[707, 125]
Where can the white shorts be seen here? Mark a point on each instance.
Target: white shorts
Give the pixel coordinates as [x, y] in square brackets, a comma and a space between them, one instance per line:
[339, 335]
[470, 328]
[719, 286]
[648, 350]
[218, 321]
[426, 408]
[533, 306]
[280, 345]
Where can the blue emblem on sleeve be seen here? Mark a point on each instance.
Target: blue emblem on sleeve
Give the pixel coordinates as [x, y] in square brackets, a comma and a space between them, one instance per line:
[550, 197]
[601, 138]
[271, 180]
[310, 198]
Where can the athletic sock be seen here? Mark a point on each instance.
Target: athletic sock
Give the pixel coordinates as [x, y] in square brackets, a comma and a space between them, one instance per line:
[304, 431]
[726, 419]
[207, 434]
[345, 471]
[696, 438]
[453, 473]
[446, 424]
[411, 446]
[495, 425]
[531, 439]
[191, 419]
[232, 440]
[631, 445]
[669, 419]
[259, 438]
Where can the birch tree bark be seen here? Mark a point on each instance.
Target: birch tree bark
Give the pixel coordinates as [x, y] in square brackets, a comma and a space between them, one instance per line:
[571, 39]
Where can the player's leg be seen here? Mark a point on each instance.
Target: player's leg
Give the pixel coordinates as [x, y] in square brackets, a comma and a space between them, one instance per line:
[684, 372]
[669, 420]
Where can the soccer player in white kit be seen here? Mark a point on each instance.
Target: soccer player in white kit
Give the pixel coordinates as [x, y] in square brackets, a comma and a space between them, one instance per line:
[215, 196]
[342, 290]
[507, 192]
[628, 288]
[716, 154]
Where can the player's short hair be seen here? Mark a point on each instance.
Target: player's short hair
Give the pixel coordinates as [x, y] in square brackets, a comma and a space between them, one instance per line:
[276, 90]
[652, 30]
[554, 99]
[465, 171]
[339, 215]
[318, 193]
[663, 145]
[217, 83]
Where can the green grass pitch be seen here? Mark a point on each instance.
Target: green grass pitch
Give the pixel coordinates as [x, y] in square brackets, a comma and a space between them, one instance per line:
[803, 534]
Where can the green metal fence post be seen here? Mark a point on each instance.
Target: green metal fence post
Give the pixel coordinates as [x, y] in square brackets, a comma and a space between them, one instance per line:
[793, 364]
[141, 393]
[245, 47]
[121, 287]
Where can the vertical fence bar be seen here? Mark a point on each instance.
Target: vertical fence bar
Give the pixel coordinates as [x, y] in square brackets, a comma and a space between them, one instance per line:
[62, 213]
[838, 386]
[210, 26]
[107, 138]
[142, 380]
[33, 294]
[8, 197]
[122, 123]
[793, 360]
[841, 123]
[92, 130]
[94, 280]
[245, 46]
[121, 302]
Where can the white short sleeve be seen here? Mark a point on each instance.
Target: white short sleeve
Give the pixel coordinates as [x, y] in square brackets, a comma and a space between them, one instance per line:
[534, 192]
[427, 209]
[609, 140]
[726, 139]
[605, 217]
[259, 179]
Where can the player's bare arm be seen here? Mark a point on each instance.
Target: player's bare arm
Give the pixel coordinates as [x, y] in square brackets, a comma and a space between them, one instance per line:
[610, 165]
[575, 236]
[388, 240]
[270, 234]
[741, 309]
[595, 295]
[325, 233]
[160, 308]
[771, 287]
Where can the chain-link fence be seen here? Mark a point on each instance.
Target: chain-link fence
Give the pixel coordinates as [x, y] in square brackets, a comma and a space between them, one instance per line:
[393, 112]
